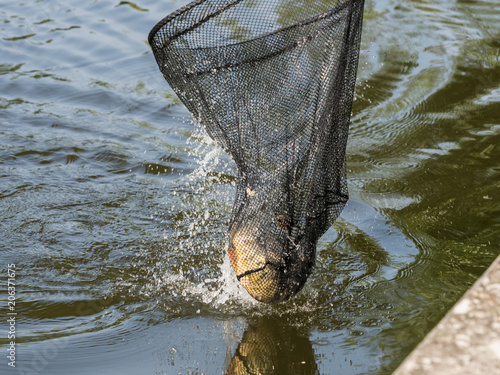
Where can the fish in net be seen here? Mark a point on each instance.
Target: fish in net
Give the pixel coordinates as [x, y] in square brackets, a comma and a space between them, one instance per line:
[272, 82]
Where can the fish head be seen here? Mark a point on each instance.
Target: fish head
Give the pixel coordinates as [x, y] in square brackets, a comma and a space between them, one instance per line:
[270, 268]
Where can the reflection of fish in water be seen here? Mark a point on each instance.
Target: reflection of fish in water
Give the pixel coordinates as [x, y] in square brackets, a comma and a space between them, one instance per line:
[273, 348]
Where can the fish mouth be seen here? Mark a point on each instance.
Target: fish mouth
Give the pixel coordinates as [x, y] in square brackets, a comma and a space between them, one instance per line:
[249, 272]
[261, 268]
[261, 278]
[262, 284]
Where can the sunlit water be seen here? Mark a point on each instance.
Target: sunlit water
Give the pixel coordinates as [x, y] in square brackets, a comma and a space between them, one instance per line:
[114, 207]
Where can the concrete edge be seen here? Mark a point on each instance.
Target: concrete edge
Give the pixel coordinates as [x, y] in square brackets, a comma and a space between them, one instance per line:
[467, 339]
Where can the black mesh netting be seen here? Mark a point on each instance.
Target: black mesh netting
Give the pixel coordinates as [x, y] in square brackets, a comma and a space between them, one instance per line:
[272, 82]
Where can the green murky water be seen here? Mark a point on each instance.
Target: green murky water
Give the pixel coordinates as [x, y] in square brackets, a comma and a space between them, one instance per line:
[113, 207]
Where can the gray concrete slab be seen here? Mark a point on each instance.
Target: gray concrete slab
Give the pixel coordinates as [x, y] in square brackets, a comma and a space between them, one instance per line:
[467, 340]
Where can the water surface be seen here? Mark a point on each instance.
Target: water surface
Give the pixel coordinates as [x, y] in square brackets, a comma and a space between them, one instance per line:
[114, 206]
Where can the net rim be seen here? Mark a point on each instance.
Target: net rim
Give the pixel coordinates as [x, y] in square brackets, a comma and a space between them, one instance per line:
[154, 31]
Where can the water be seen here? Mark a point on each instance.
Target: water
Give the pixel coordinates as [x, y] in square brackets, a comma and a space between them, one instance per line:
[113, 206]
